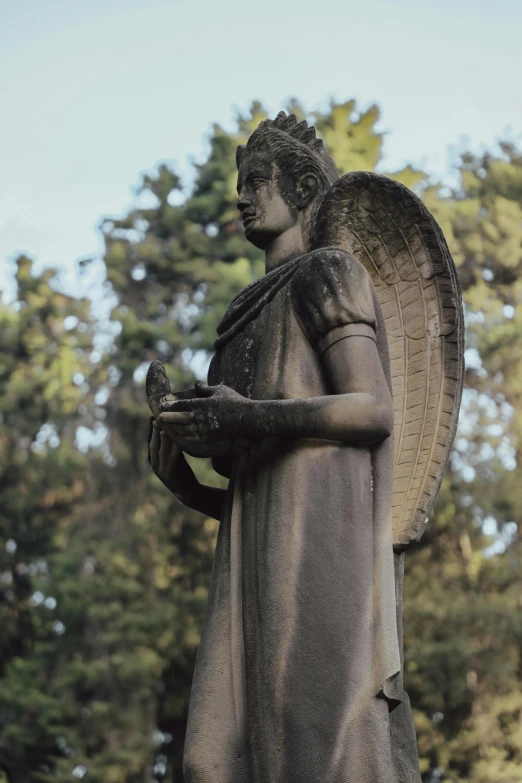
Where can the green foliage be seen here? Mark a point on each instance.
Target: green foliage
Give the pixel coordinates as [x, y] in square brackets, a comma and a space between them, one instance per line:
[46, 377]
[103, 575]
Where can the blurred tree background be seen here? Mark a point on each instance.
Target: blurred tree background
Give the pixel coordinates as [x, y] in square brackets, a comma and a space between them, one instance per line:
[103, 574]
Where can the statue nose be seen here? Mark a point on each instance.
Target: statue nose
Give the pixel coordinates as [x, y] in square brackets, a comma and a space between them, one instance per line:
[243, 203]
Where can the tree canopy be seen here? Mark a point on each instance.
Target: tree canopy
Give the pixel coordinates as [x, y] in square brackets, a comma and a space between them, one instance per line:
[103, 574]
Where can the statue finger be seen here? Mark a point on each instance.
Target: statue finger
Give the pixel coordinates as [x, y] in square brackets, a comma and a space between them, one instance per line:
[154, 448]
[173, 457]
[204, 390]
[178, 405]
[175, 418]
[179, 431]
[165, 452]
[149, 437]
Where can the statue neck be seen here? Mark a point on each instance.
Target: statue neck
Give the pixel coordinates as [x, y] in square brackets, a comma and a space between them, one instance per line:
[285, 247]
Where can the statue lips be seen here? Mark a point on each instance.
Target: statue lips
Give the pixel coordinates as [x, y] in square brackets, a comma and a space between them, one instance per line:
[248, 218]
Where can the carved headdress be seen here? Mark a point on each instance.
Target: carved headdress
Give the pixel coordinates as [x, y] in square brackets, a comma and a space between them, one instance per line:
[390, 231]
[294, 145]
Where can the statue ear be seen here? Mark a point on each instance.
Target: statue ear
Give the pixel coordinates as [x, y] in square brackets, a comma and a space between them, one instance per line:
[307, 186]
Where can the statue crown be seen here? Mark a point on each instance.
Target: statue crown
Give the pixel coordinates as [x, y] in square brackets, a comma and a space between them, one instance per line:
[295, 143]
[301, 131]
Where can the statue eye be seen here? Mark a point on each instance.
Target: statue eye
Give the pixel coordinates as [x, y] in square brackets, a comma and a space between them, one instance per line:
[257, 182]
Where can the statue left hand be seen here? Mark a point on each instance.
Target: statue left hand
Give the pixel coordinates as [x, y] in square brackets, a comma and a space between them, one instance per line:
[219, 414]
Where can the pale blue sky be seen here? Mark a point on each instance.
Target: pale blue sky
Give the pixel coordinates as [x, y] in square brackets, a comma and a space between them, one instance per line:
[93, 93]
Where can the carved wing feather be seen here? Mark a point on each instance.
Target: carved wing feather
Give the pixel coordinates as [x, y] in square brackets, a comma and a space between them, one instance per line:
[391, 232]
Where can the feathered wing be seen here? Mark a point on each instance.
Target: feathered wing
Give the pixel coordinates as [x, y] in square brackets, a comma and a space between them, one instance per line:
[385, 226]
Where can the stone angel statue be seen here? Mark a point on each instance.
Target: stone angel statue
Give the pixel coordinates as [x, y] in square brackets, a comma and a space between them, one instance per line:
[331, 405]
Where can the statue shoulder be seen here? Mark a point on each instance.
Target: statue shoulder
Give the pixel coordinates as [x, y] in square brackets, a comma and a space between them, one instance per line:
[330, 266]
[332, 288]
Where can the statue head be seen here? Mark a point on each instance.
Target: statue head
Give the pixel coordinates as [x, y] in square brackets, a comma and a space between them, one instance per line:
[283, 173]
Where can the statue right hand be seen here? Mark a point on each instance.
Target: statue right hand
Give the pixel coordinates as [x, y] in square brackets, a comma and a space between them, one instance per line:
[169, 464]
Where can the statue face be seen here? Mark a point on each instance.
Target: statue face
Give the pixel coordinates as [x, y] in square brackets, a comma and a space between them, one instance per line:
[264, 211]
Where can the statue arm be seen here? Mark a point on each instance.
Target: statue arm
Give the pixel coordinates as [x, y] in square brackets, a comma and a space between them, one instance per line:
[359, 411]
[207, 500]
[169, 464]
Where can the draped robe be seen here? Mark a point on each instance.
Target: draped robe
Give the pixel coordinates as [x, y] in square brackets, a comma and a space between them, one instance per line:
[299, 666]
